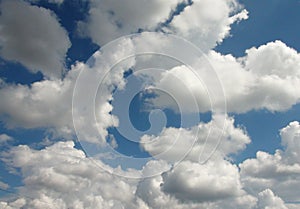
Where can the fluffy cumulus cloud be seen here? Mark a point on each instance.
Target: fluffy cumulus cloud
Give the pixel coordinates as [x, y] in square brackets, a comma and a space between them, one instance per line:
[218, 138]
[202, 173]
[44, 104]
[266, 78]
[206, 23]
[202, 182]
[280, 171]
[61, 177]
[32, 36]
[202, 22]
[48, 103]
[111, 19]
[268, 200]
[259, 82]
[51, 173]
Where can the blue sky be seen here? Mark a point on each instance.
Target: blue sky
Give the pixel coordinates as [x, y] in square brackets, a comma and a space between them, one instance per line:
[37, 104]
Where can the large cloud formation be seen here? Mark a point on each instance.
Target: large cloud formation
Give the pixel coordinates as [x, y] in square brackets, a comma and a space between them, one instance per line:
[279, 171]
[201, 22]
[266, 78]
[32, 36]
[62, 176]
[52, 173]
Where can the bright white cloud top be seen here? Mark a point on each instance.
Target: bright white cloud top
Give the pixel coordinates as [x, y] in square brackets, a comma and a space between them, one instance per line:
[191, 166]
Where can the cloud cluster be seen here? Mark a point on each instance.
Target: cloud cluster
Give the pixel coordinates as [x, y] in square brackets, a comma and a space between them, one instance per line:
[108, 20]
[201, 22]
[279, 171]
[33, 36]
[266, 78]
[218, 183]
[218, 138]
[206, 23]
[61, 176]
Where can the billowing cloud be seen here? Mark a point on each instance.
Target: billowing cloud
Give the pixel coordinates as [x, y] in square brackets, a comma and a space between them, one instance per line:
[45, 103]
[255, 81]
[280, 171]
[108, 20]
[206, 23]
[32, 36]
[51, 173]
[202, 182]
[48, 103]
[268, 200]
[217, 138]
[61, 177]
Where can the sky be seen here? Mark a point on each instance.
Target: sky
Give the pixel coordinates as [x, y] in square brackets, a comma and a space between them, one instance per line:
[149, 104]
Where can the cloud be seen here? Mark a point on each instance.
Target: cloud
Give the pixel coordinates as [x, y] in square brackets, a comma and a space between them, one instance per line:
[250, 82]
[279, 171]
[108, 20]
[50, 1]
[4, 138]
[60, 176]
[186, 187]
[3, 186]
[51, 173]
[206, 23]
[218, 138]
[48, 103]
[45, 103]
[274, 58]
[33, 36]
[268, 200]
[202, 182]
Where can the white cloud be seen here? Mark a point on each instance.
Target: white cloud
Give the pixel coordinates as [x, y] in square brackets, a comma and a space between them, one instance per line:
[207, 23]
[251, 82]
[218, 138]
[42, 104]
[202, 22]
[188, 182]
[48, 103]
[33, 36]
[202, 182]
[51, 173]
[110, 19]
[267, 200]
[274, 58]
[279, 172]
[60, 176]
